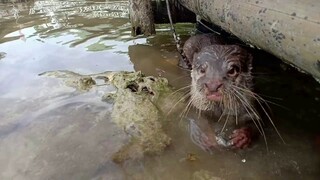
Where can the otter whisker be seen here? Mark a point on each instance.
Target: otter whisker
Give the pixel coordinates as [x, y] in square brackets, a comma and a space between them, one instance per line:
[185, 111]
[247, 103]
[269, 118]
[269, 102]
[259, 96]
[182, 98]
[245, 106]
[180, 77]
[223, 112]
[258, 125]
[276, 129]
[234, 103]
[261, 73]
[180, 89]
[251, 108]
[199, 113]
[188, 107]
[272, 97]
[199, 110]
[220, 104]
[236, 111]
[235, 107]
[226, 121]
[258, 99]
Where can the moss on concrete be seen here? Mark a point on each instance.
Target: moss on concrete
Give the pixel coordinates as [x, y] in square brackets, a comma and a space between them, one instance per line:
[140, 105]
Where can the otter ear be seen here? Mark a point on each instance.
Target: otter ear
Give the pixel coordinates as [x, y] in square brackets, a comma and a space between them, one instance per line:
[189, 51]
[186, 59]
[184, 62]
[194, 56]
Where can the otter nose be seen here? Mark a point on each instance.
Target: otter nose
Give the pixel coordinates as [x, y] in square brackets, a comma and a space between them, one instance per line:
[213, 86]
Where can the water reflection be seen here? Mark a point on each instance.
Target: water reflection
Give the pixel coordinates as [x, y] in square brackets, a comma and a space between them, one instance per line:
[51, 19]
[163, 64]
[37, 115]
[59, 12]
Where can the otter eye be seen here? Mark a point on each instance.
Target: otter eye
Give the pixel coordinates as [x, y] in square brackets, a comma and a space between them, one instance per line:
[203, 68]
[233, 71]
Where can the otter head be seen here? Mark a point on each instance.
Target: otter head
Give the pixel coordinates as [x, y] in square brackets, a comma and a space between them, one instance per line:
[216, 71]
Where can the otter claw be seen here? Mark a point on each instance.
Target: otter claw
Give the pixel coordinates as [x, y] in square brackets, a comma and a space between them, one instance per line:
[241, 138]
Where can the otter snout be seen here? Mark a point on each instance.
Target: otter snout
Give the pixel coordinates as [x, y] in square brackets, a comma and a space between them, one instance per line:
[213, 86]
[213, 90]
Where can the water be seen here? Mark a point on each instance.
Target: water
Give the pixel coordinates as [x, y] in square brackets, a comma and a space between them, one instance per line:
[50, 131]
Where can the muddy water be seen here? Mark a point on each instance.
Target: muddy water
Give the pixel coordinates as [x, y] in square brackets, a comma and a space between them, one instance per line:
[50, 131]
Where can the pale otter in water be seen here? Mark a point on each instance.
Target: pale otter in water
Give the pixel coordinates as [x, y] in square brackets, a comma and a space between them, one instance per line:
[221, 85]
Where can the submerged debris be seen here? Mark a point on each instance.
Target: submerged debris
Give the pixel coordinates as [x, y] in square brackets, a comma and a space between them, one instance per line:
[204, 175]
[190, 157]
[2, 55]
[72, 79]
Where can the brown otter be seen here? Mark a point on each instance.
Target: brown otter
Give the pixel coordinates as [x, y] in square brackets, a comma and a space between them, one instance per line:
[222, 85]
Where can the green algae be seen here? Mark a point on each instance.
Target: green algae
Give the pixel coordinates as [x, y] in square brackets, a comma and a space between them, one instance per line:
[135, 110]
[72, 79]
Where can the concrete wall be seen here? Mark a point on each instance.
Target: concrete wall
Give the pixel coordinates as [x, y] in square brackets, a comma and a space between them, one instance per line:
[289, 29]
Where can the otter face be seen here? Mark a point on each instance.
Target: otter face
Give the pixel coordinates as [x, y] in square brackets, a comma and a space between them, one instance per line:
[216, 71]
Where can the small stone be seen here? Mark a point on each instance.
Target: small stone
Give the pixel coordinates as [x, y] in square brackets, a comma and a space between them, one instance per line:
[243, 160]
[192, 157]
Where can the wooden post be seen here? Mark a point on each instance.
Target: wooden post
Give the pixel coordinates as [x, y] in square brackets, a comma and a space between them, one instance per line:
[141, 17]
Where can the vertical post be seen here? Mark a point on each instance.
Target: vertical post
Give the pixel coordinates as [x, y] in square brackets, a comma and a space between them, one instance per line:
[141, 17]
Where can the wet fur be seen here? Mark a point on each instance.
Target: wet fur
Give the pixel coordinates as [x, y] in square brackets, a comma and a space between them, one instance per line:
[211, 53]
[212, 50]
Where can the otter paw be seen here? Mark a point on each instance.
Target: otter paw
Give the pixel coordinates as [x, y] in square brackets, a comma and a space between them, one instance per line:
[241, 138]
[208, 141]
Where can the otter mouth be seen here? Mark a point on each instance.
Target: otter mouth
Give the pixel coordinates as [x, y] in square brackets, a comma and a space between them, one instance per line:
[214, 96]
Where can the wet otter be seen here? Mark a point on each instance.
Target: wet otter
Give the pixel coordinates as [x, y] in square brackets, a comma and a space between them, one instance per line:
[222, 85]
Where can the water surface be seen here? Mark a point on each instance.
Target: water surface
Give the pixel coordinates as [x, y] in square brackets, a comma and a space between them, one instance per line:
[50, 131]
